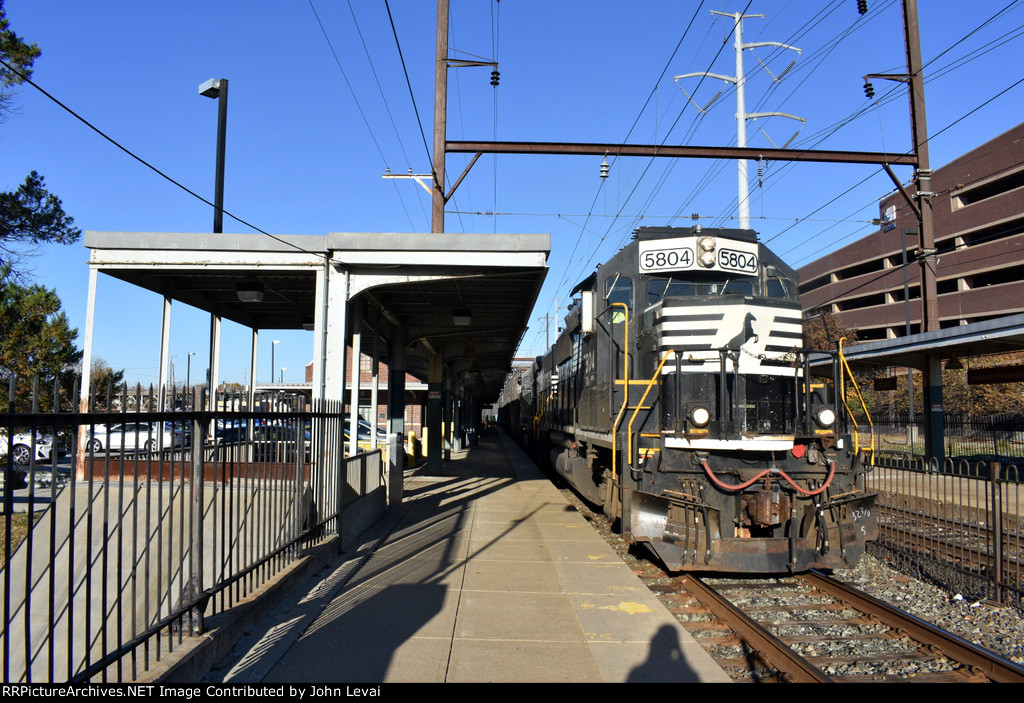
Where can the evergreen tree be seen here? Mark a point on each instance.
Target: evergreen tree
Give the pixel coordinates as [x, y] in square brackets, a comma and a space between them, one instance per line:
[36, 339]
[18, 57]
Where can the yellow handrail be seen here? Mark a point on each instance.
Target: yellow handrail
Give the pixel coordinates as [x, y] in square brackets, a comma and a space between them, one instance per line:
[625, 395]
[541, 410]
[842, 386]
[640, 405]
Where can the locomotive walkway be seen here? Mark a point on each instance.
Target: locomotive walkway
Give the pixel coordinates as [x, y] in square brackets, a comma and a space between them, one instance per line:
[485, 574]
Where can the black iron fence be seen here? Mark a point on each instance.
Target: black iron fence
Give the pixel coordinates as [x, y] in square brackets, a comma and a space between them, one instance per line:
[977, 438]
[959, 524]
[129, 520]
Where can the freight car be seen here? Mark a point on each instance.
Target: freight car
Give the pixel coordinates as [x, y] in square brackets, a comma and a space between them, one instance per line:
[680, 398]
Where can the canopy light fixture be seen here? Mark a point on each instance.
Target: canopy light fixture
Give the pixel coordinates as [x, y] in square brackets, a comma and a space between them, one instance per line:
[461, 317]
[251, 292]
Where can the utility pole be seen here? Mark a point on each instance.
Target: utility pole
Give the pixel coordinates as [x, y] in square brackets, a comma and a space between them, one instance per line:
[440, 117]
[923, 175]
[920, 203]
[739, 80]
[547, 330]
[933, 407]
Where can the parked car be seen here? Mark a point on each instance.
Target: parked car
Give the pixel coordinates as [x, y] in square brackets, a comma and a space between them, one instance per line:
[368, 437]
[23, 446]
[366, 430]
[270, 442]
[131, 437]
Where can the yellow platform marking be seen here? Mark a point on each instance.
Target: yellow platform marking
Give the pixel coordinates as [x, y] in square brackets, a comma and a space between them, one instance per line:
[628, 607]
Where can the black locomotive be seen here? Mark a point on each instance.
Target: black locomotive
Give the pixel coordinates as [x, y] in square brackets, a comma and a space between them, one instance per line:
[680, 398]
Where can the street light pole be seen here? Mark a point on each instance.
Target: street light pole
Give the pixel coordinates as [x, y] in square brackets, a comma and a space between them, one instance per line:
[218, 88]
[273, 347]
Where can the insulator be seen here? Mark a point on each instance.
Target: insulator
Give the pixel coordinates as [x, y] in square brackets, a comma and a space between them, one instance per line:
[869, 90]
[862, 6]
[495, 77]
[604, 168]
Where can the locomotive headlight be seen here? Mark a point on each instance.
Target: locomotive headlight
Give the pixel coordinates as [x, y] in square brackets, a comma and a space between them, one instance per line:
[824, 417]
[706, 243]
[699, 416]
[706, 259]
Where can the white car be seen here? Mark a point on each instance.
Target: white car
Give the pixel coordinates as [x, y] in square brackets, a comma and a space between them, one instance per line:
[129, 437]
[23, 447]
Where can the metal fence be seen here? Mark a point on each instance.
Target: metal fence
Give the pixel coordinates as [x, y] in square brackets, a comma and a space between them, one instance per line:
[959, 524]
[127, 522]
[988, 438]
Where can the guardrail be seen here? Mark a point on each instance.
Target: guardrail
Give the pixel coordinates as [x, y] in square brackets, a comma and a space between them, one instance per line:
[961, 523]
[125, 545]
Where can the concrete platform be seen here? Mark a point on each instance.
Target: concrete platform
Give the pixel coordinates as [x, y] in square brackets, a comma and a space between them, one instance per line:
[484, 575]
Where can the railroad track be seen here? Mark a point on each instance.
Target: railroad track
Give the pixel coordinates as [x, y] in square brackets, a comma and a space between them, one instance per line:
[810, 628]
[956, 540]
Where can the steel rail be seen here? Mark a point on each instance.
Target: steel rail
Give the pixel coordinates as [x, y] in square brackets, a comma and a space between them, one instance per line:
[794, 668]
[980, 557]
[991, 665]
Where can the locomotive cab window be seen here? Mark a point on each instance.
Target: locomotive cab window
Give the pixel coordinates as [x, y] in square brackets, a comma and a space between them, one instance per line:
[779, 287]
[618, 290]
[672, 287]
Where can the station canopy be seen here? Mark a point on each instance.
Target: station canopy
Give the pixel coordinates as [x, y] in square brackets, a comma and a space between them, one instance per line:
[467, 297]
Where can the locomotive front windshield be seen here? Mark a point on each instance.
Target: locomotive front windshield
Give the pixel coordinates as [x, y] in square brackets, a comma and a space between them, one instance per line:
[661, 287]
[672, 286]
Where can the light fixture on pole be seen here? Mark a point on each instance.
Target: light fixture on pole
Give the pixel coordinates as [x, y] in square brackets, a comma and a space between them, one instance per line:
[218, 88]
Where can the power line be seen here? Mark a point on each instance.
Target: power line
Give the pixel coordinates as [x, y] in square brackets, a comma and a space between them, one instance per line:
[355, 98]
[148, 165]
[408, 82]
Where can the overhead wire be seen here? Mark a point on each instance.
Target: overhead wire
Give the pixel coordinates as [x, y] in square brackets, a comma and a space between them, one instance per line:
[408, 82]
[892, 94]
[355, 97]
[1008, 231]
[651, 160]
[25, 79]
[628, 226]
[897, 91]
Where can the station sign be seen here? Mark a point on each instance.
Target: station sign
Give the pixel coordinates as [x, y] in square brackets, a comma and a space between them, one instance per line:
[995, 374]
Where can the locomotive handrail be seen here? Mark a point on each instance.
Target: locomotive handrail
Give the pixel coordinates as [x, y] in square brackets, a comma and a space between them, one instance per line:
[639, 406]
[845, 367]
[542, 410]
[625, 395]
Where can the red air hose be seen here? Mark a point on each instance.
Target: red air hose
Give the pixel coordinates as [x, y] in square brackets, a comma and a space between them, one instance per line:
[741, 486]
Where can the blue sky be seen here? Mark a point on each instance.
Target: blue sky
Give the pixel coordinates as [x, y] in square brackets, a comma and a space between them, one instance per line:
[320, 106]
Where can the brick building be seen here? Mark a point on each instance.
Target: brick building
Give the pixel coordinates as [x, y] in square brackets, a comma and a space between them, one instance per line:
[415, 393]
[978, 211]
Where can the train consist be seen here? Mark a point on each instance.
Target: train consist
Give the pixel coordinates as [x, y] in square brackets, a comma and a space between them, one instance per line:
[679, 398]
